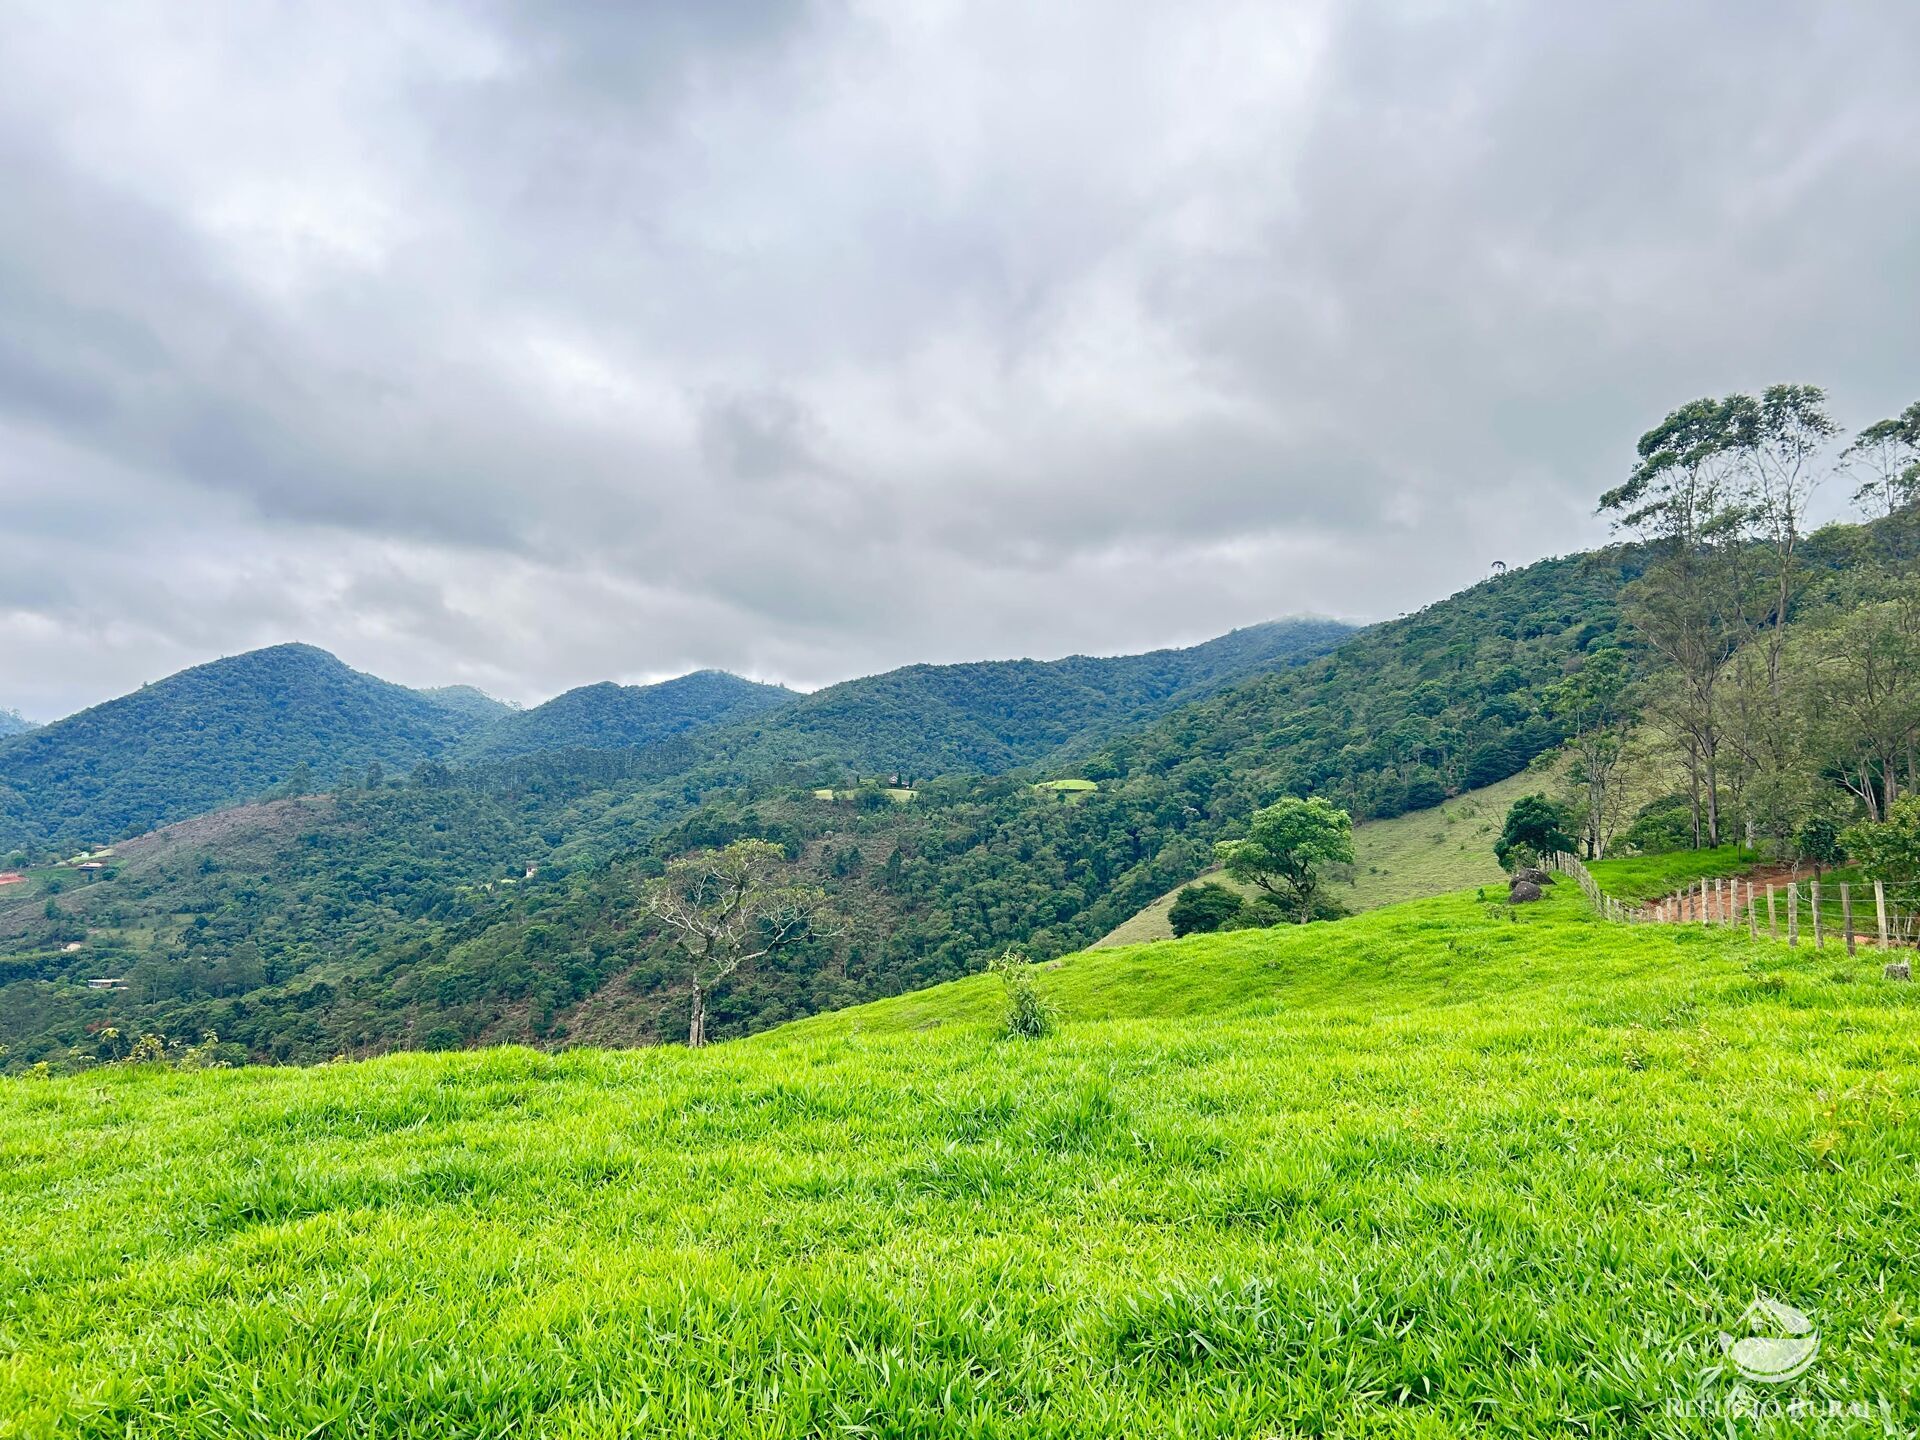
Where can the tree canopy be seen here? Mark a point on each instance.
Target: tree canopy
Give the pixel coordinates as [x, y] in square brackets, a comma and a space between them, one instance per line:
[1288, 847]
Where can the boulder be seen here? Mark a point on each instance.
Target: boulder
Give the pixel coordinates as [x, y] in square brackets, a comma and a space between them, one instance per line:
[1523, 891]
[1532, 874]
[1898, 970]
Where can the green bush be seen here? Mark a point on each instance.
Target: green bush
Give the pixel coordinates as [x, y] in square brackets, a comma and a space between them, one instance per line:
[1204, 908]
[1029, 1014]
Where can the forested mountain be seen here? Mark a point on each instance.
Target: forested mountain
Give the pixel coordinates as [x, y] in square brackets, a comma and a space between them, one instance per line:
[607, 716]
[467, 701]
[209, 736]
[994, 715]
[13, 723]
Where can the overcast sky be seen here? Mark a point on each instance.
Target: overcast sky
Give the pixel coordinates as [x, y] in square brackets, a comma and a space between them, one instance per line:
[532, 345]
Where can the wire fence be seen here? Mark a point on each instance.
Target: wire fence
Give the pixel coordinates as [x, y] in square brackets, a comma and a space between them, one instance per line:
[1846, 912]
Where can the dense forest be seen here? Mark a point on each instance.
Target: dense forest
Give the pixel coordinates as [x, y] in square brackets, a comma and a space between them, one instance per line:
[620, 717]
[989, 716]
[292, 718]
[288, 716]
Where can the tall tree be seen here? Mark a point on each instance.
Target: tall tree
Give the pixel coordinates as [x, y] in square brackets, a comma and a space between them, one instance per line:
[722, 909]
[1861, 700]
[1681, 497]
[1780, 441]
[1593, 704]
[1885, 459]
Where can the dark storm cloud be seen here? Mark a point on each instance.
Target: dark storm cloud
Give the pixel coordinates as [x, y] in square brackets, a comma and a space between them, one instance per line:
[533, 344]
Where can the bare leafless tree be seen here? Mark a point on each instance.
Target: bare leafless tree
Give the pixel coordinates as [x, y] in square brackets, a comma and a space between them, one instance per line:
[722, 909]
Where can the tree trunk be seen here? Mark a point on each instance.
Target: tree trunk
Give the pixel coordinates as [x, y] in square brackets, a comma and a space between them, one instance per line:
[1713, 802]
[1693, 789]
[697, 1026]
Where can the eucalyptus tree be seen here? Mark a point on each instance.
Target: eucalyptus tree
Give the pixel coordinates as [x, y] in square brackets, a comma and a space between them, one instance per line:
[1885, 458]
[1861, 699]
[1682, 497]
[1593, 703]
[1780, 442]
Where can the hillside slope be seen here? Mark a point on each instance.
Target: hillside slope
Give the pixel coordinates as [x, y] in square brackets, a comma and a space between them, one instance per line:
[208, 736]
[1391, 1176]
[991, 716]
[607, 716]
[1409, 857]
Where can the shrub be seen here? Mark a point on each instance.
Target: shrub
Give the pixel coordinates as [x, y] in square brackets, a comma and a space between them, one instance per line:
[1029, 1013]
[1204, 908]
[1535, 827]
[1662, 826]
[1890, 850]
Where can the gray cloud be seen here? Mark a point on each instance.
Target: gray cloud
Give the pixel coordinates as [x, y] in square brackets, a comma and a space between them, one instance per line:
[531, 345]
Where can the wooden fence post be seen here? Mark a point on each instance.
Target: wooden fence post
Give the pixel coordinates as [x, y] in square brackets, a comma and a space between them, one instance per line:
[1846, 913]
[1705, 919]
[1773, 916]
[1753, 919]
[1880, 907]
[1819, 935]
[1793, 912]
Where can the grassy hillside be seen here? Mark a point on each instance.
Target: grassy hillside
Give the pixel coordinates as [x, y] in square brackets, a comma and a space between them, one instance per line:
[614, 717]
[1429, 852]
[1430, 1170]
[207, 737]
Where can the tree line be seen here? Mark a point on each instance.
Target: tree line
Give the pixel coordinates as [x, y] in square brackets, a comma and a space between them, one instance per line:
[1779, 667]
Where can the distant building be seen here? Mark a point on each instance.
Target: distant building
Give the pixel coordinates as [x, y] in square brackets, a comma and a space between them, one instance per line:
[116, 983]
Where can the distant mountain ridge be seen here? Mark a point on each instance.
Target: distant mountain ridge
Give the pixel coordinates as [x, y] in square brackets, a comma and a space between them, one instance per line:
[469, 701]
[208, 736]
[606, 716]
[234, 729]
[12, 722]
[990, 716]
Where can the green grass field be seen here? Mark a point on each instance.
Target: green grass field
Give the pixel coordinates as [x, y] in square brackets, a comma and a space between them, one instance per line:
[1648, 877]
[1429, 852]
[1444, 1168]
[1070, 792]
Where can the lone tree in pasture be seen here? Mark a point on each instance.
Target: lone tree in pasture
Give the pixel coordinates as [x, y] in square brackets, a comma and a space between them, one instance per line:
[721, 909]
[1535, 828]
[1287, 849]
